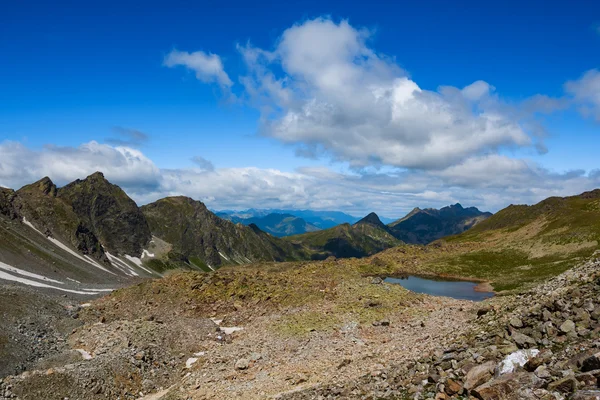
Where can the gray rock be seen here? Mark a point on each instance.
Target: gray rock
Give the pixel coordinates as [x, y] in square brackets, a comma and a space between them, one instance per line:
[242, 363]
[567, 326]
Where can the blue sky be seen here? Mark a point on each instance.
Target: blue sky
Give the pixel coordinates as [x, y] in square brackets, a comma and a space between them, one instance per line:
[72, 72]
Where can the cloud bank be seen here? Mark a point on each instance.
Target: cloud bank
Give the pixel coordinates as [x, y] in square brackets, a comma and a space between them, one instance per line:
[489, 182]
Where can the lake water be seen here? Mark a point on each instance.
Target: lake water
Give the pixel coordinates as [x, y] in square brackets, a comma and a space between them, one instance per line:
[462, 290]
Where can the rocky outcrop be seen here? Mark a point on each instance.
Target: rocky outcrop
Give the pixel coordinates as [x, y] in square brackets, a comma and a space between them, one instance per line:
[107, 211]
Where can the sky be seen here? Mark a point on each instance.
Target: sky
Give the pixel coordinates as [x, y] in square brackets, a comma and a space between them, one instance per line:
[325, 105]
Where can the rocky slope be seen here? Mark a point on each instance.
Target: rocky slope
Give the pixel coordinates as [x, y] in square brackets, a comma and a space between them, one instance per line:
[427, 225]
[202, 238]
[92, 215]
[366, 237]
[542, 344]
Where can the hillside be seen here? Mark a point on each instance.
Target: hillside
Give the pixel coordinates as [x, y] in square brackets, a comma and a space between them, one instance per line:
[366, 237]
[516, 246]
[427, 225]
[274, 223]
[207, 241]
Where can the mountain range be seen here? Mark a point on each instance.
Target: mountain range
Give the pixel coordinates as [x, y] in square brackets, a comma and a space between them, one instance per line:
[91, 227]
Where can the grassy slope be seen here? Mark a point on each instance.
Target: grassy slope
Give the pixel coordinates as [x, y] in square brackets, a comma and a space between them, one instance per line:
[346, 240]
[517, 246]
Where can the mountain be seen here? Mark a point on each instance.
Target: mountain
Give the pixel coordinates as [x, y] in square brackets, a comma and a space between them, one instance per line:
[202, 238]
[319, 219]
[86, 233]
[427, 225]
[366, 237]
[276, 224]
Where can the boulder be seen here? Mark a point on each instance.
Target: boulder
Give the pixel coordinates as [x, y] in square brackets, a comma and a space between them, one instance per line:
[479, 374]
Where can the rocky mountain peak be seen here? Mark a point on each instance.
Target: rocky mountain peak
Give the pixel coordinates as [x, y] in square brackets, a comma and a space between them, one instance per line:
[372, 219]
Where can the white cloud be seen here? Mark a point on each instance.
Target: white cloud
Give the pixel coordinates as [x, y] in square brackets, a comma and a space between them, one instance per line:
[326, 90]
[124, 166]
[208, 67]
[586, 93]
[489, 183]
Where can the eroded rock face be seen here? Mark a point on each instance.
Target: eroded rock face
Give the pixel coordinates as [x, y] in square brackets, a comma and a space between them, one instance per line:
[92, 214]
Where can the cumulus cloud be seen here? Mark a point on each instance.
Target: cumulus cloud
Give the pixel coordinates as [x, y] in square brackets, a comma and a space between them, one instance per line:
[127, 137]
[489, 182]
[208, 67]
[124, 166]
[326, 90]
[586, 93]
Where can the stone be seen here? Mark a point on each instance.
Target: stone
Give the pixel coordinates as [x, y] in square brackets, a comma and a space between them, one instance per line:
[504, 387]
[479, 374]
[567, 326]
[242, 363]
[542, 372]
[565, 385]
[516, 322]
[591, 363]
[586, 395]
[452, 387]
[522, 340]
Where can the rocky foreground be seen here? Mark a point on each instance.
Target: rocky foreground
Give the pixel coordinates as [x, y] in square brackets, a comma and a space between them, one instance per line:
[351, 338]
[540, 345]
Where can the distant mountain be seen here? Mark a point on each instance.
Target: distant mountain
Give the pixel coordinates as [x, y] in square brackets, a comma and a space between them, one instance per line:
[366, 237]
[427, 225]
[276, 224]
[319, 219]
[202, 238]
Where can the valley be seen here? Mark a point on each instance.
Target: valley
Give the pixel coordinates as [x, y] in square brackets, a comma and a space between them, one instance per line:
[182, 304]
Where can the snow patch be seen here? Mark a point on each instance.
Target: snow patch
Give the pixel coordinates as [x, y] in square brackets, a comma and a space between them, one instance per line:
[29, 224]
[146, 253]
[84, 354]
[87, 259]
[210, 266]
[138, 262]
[516, 359]
[230, 330]
[85, 305]
[28, 282]
[73, 280]
[14, 270]
[224, 256]
[216, 321]
[190, 361]
[122, 265]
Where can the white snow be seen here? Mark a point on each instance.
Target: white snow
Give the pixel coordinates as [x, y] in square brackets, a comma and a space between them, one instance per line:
[230, 330]
[122, 265]
[14, 270]
[84, 354]
[73, 280]
[72, 252]
[518, 358]
[29, 224]
[190, 361]
[98, 290]
[200, 353]
[84, 305]
[224, 256]
[138, 262]
[9, 277]
[210, 266]
[216, 321]
[146, 253]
